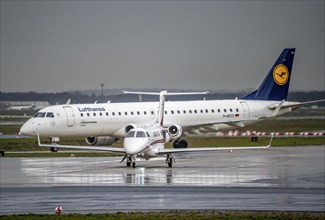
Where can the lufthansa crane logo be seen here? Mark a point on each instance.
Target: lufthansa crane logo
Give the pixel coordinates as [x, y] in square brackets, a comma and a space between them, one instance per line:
[280, 74]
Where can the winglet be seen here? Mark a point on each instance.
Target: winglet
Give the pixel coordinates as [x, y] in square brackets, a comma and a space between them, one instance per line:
[269, 145]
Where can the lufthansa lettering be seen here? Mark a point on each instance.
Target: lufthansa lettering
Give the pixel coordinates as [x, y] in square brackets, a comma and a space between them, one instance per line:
[88, 109]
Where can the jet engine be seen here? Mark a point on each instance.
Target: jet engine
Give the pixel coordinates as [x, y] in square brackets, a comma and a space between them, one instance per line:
[175, 131]
[100, 141]
[129, 127]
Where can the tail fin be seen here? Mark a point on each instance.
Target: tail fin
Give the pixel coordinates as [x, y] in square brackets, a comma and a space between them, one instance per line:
[276, 84]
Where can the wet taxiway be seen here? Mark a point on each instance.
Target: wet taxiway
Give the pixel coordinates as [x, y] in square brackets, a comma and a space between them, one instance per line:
[286, 178]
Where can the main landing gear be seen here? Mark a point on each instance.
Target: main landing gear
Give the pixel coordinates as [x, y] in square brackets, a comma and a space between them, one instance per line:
[54, 140]
[169, 160]
[180, 143]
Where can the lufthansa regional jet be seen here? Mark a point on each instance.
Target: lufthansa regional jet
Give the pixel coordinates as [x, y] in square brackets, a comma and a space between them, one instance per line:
[104, 123]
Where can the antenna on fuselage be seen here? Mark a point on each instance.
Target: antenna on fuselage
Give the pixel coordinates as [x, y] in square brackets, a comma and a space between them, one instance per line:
[162, 99]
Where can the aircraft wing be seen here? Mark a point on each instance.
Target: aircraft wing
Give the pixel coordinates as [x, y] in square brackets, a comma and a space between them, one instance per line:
[182, 150]
[220, 121]
[110, 149]
[295, 104]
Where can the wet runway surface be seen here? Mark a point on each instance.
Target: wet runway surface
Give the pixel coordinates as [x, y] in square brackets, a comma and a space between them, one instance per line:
[286, 178]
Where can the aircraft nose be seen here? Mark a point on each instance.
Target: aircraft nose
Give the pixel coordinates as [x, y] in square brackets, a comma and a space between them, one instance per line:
[133, 147]
[27, 129]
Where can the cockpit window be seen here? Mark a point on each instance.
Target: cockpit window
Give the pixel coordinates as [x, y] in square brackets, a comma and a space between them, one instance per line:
[50, 115]
[140, 134]
[40, 115]
[130, 134]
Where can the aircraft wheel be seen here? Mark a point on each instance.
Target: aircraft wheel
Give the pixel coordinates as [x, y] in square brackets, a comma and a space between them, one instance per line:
[128, 164]
[180, 144]
[54, 149]
[170, 162]
[133, 164]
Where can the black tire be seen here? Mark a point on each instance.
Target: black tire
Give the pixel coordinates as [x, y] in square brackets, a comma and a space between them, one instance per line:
[170, 163]
[180, 144]
[54, 149]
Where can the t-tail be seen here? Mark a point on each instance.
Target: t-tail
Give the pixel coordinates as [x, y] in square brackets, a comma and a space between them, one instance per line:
[276, 84]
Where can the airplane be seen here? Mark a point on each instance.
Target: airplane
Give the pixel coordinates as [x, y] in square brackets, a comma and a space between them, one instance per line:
[104, 123]
[33, 106]
[149, 141]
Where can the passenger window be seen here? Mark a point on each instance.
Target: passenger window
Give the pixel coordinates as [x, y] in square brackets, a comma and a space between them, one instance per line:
[94, 114]
[172, 111]
[50, 115]
[225, 110]
[81, 114]
[237, 110]
[145, 113]
[230, 110]
[101, 114]
[138, 112]
[212, 110]
[88, 114]
[106, 113]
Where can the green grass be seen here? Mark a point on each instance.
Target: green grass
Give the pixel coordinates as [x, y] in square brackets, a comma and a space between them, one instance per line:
[177, 215]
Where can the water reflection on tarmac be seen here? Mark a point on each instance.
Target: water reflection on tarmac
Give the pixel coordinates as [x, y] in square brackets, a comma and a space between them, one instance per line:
[259, 172]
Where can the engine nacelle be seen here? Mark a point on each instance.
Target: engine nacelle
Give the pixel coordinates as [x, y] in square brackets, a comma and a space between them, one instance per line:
[129, 127]
[100, 141]
[175, 131]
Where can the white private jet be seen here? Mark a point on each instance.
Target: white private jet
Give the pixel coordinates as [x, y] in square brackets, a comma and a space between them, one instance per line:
[103, 123]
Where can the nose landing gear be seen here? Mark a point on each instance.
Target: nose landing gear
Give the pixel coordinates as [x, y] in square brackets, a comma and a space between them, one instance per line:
[130, 161]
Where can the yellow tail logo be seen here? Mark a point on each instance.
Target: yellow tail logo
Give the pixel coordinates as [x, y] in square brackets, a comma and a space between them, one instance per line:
[280, 74]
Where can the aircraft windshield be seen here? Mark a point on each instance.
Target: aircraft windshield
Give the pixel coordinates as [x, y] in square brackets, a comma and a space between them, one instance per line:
[140, 134]
[50, 115]
[40, 115]
[130, 134]
[43, 114]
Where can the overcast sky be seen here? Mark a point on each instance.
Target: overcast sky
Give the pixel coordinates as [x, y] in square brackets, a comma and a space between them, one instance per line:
[54, 46]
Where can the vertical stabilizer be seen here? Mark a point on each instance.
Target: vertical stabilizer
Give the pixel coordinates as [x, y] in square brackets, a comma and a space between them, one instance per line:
[276, 84]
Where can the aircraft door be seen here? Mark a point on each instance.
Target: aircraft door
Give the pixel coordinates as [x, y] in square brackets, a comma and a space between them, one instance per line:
[245, 107]
[70, 116]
